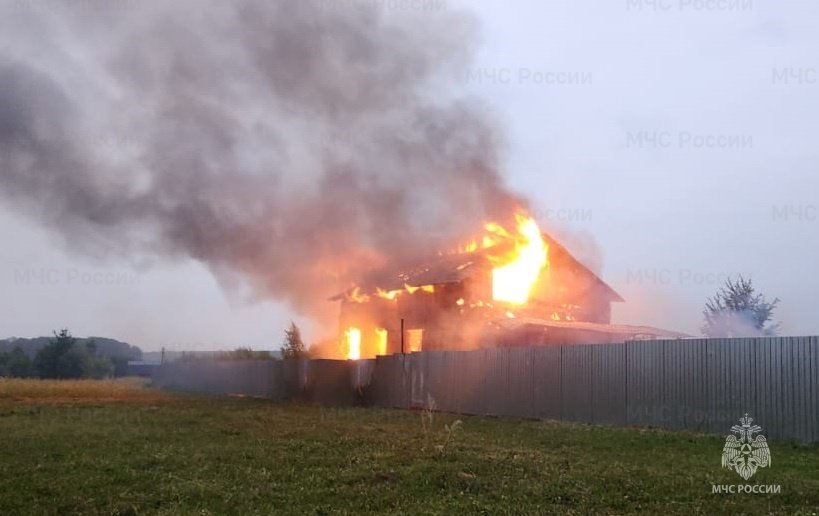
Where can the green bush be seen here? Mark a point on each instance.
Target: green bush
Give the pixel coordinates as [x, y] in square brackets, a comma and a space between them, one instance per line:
[16, 364]
[64, 358]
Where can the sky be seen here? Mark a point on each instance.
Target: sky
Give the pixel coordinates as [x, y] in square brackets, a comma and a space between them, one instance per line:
[669, 144]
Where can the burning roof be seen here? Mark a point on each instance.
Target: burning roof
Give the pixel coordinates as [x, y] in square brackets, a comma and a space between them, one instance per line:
[454, 268]
[453, 300]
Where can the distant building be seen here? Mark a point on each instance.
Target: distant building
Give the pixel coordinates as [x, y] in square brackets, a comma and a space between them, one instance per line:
[141, 368]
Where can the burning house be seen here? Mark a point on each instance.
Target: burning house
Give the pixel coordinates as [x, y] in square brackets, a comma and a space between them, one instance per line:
[507, 287]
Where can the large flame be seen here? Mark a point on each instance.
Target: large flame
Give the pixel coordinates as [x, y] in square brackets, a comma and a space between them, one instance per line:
[381, 341]
[518, 256]
[517, 271]
[415, 339]
[352, 336]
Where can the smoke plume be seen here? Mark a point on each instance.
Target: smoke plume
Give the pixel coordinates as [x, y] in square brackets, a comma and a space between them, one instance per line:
[287, 145]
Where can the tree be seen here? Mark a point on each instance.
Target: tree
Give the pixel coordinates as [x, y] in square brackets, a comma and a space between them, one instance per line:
[71, 364]
[244, 354]
[62, 357]
[738, 311]
[15, 364]
[18, 364]
[93, 366]
[97, 367]
[293, 344]
[51, 361]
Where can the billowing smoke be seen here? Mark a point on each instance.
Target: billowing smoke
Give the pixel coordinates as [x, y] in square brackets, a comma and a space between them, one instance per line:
[287, 145]
[729, 324]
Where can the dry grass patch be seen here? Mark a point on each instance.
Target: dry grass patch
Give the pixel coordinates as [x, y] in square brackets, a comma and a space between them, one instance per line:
[15, 391]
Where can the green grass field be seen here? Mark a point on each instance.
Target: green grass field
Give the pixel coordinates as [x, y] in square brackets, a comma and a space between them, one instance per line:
[121, 448]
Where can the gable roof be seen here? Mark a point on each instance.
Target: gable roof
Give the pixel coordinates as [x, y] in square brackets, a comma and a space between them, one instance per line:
[454, 268]
[558, 253]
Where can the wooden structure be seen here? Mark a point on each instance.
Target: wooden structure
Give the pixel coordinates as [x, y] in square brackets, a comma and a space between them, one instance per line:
[445, 302]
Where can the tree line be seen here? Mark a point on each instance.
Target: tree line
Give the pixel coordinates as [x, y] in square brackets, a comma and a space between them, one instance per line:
[292, 346]
[65, 357]
[62, 358]
[736, 310]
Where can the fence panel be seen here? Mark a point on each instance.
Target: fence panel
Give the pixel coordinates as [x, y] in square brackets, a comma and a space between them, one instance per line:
[785, 382]
[698, 384]
[546, 382]
[804, 415]
[519, 390]
[696, 393]
[436, 380]
[472, 381]
[813, 412]
[674, 365]
[608, 384]
[455, 391]
[385, 374]
[715, 372]
[495, 380]
[576, 383]
[767, 398]
[418, 392]
[329, 382]
[645, 383]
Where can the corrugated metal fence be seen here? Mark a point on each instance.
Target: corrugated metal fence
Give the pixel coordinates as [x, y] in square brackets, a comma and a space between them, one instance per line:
[702, 385]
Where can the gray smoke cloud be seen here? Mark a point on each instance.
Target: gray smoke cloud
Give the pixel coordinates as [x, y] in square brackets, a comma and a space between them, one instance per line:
[290, 146]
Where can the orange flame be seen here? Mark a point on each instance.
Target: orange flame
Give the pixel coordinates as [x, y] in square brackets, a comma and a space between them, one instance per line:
[352, 336]
[387, 294]
[393, 294]
[356, 296]
[518, 256]
[516, 272]
[415, 339]
[381, 340]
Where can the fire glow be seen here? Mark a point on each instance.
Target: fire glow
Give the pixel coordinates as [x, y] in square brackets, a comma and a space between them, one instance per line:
[516, 258]
[518, 271]
[353, 337]
[515, 271]
[381, 340]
